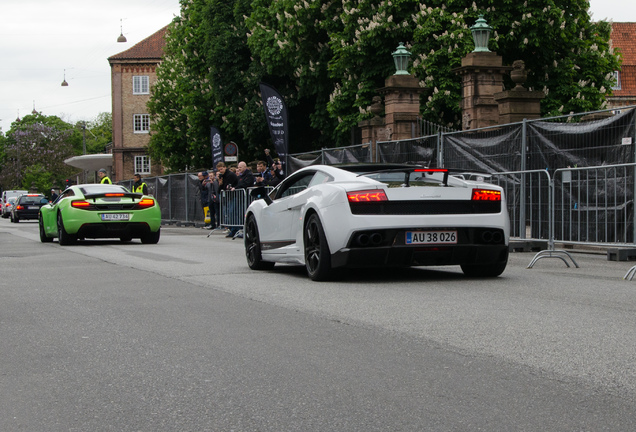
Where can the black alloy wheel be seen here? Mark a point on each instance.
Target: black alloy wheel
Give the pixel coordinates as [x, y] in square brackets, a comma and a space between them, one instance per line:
[63, 237]
[317, 254]
[252, 243]
[43, 237]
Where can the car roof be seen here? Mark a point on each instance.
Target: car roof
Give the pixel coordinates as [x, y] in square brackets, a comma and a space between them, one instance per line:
[351, 171]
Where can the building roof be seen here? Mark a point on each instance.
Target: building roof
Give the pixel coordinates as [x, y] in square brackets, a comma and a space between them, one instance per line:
[150, 48]
[623, 39]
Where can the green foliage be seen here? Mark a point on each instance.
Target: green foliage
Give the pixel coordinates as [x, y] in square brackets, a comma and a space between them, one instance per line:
[37, 146]
[99, 133]
[37, 178]
[328, 59]
[179, 103]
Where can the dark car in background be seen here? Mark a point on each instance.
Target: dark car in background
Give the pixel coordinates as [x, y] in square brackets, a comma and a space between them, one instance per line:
[27, 206]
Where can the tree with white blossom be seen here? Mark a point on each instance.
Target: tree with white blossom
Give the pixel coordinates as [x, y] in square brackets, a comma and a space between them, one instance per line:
[330, 58]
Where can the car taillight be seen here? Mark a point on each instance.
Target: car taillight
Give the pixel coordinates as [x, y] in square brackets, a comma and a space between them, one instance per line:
[19, 207]
[486, 195]
[367, 196]
[145, 203]
[114, 195]
[81, 204]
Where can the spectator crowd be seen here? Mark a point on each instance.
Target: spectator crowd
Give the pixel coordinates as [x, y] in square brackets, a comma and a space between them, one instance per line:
[269, 172]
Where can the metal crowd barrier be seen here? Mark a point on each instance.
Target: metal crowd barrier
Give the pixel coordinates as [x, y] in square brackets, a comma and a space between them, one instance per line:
[595, 205]
[233, 206]
[530, 199]
[592, 206]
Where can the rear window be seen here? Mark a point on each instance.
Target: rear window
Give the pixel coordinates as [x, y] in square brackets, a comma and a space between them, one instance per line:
[28, 200]
[101, 189]
[404, 179]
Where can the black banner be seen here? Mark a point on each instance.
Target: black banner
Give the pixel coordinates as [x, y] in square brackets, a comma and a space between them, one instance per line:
[276, 115]
[217, 146]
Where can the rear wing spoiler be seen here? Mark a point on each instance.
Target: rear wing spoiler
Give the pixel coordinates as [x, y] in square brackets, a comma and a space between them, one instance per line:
[461, 174]
[114, 195]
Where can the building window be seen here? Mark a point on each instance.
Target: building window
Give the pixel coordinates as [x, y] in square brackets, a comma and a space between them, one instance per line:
[142, 164]
[141, 123]
[141, 85]
[617, 80]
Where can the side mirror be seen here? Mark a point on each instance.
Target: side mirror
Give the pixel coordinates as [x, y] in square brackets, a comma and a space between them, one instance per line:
[261, 193]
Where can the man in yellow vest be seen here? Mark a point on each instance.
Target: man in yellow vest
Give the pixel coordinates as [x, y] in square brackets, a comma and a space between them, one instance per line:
[104, 177]
[139, 186]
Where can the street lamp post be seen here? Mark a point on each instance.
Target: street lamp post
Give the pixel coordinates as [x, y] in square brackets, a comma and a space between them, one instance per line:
[481, 34]
[401, 59]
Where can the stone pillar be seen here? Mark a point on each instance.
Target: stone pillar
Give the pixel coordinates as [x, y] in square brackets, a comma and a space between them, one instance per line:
[482, 77]
[401, 105]
[401, 111]
[519, 103]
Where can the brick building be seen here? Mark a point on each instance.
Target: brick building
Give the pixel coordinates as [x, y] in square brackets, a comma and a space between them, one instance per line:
[133, 73]
[624, 39]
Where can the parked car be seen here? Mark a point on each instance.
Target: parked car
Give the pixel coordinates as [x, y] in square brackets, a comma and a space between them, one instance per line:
[8, 197]
[7, 206]
[326, 218]
[100, 211]
[27, 206]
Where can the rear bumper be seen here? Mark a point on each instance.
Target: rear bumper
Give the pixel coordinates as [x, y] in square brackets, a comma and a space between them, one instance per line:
[406, 256]
[114, 230]
[84, 223]
[27, 214]
[474, 246]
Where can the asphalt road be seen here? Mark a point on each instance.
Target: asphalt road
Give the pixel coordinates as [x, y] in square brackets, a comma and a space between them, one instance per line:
[182, 336]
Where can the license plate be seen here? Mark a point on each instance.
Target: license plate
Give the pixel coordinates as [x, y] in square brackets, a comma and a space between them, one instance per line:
[431, 237]
[115, 216]
[33, 207]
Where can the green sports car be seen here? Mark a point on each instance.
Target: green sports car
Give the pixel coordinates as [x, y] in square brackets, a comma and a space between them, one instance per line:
[100, 211]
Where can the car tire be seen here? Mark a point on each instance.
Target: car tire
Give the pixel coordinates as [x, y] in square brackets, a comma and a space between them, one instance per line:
[125, 239]
[63, 237]
[43, 237]
[252, 242]
[485, 270]
[317, 254]
[16, 219]
[151, 237]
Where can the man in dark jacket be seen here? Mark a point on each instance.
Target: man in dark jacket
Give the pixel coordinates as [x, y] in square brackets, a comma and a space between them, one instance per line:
[262, 175]
[276, 167]
[215, 201]
[204, 195]
[228, 182]
[245, 176]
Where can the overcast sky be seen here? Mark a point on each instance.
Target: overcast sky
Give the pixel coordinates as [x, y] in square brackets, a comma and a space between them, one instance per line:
[39, 39]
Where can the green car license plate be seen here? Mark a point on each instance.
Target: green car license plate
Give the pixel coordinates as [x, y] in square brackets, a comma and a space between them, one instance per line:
[115, 216]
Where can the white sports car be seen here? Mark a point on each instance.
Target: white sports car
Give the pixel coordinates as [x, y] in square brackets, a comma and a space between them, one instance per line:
[328, 218]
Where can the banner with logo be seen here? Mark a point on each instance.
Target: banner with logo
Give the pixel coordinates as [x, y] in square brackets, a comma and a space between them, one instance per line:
[276, 116]
[217, 146]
